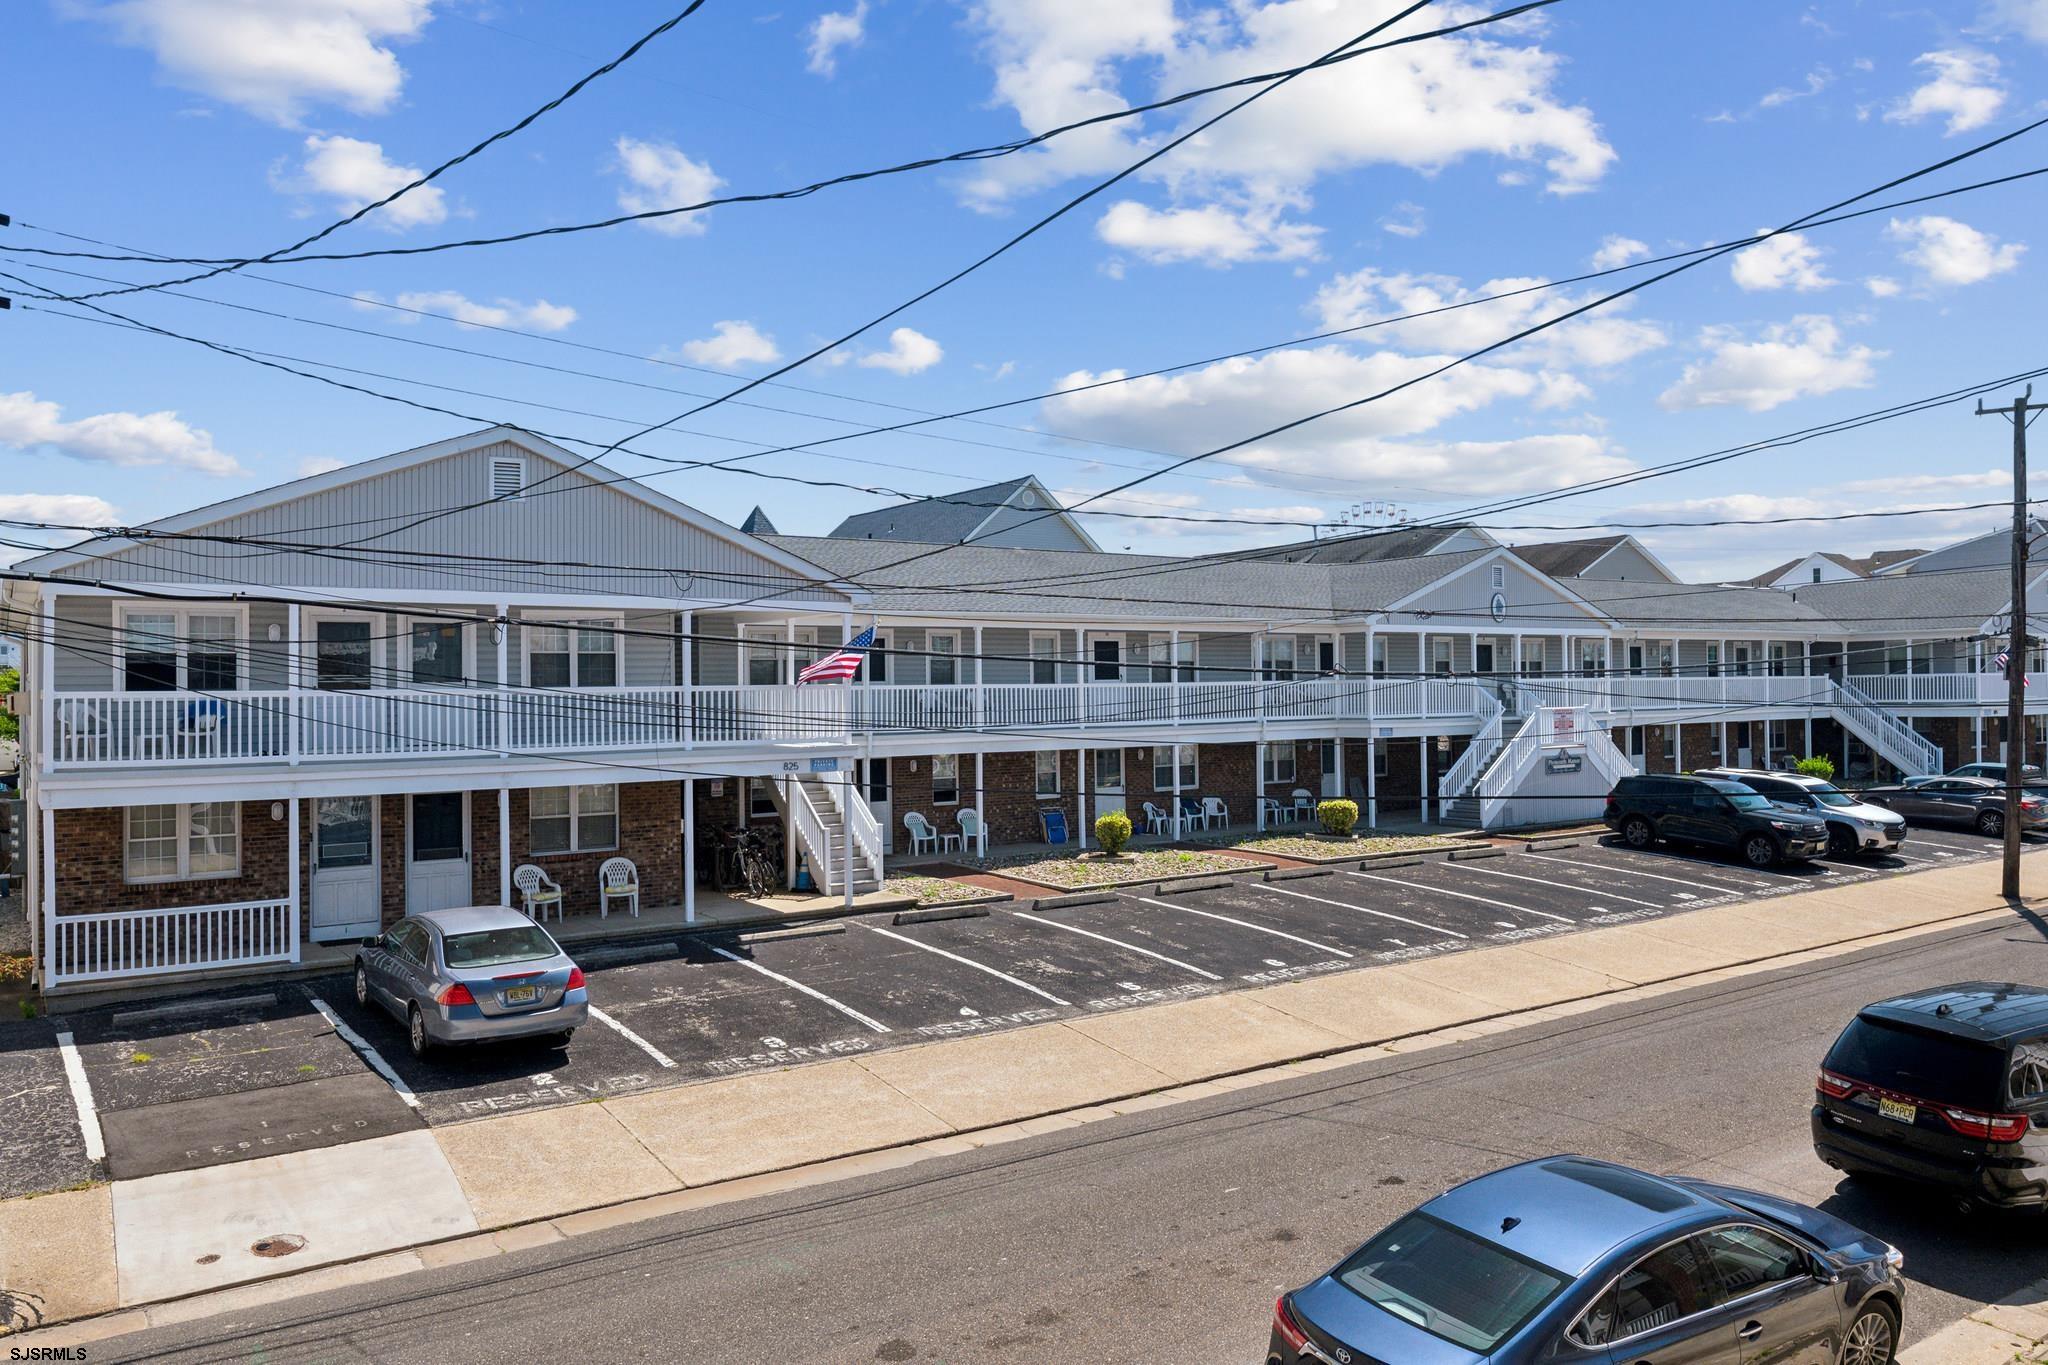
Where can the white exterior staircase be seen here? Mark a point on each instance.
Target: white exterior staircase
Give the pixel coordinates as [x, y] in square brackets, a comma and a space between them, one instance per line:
[820, 821]
[1889, 736]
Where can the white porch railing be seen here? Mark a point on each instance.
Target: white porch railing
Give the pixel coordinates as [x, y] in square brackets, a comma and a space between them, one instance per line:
[132, 943]
[1485, 743]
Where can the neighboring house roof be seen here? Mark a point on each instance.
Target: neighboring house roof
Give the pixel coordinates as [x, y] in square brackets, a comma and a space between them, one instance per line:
[1650, 606]
[954, 518]
[1567, 558]
[1364, 547]
[1862, 567]
[1984, 551]
[757, 524]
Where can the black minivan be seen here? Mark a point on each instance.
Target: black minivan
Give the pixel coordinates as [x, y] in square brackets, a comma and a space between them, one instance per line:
[1945, 1087]
[1718, 813]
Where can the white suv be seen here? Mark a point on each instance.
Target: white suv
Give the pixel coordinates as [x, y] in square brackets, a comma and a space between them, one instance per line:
[1853, 826]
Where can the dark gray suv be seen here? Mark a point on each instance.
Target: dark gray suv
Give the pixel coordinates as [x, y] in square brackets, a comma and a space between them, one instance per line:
[1714, 813]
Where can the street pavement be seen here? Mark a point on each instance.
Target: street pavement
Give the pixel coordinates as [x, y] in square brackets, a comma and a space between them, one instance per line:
[1164, 1235]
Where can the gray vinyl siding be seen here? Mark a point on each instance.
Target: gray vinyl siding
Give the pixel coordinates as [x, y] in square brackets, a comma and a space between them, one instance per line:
[1692, 658]
[907, 663]
[1224, 658]
[1009, 648]
[1627, 563]
[1404, 655]
[715, 662]
[587, 521]
[1016, 527]
[1869, 656]
[647, 651]
[86, 659]
[1354, 655]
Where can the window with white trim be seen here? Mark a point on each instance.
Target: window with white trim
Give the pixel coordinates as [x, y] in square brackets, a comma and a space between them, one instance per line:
[761, 798]
[1379, 656]
[1279, 657]
[945, 779]
[875, 660]
[1166, 758]
[583, 653]
[1046, 772]
[1381, 759]
[1109, 770]
[1497, 576]
[1045, 654]
[163, 650]
[942, 669]
[182, 843]
[572, 819]
[1440, 656]
[1280, 765]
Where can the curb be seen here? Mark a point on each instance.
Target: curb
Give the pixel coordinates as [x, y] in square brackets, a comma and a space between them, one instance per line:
[1078, 898]
[935, 913]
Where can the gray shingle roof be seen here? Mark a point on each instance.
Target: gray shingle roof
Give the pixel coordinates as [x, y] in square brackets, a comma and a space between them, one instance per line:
[944, 520]
[1566, 558]
[1365, 547]
[757, 524]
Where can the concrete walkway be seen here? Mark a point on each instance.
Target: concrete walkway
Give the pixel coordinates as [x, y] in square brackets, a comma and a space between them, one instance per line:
[500, 1183]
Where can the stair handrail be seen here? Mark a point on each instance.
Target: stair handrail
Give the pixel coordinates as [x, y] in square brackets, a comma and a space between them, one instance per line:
[867, 831]
[813, 835]
[1910, 742]
[1485, 742]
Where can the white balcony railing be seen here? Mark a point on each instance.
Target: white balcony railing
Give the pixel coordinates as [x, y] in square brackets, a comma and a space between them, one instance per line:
[127, 943]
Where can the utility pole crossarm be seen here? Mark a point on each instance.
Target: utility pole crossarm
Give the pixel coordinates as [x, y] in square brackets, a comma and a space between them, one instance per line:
[2016, 652]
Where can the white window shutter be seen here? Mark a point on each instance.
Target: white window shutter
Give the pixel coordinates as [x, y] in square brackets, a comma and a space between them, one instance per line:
[508, 476]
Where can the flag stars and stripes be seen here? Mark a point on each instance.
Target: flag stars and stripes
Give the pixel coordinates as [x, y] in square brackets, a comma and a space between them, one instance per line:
[841, 664]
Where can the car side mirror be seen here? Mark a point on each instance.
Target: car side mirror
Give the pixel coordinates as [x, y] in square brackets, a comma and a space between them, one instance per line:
[373, 942]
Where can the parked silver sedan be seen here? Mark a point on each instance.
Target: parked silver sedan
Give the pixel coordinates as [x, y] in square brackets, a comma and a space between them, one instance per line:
[1973, 801]
[472, 975]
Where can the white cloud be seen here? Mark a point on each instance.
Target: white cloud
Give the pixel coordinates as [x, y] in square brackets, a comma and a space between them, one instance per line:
[1816, 81]
[1424, 106]
[1932, 483]
[1559, 390]
[1618, 251]
[1786, 261]
[1601, 338]
[1964, 89]
[1213, 235]
[319, 464]
[910, 352]
[63, 509]
[1407, 220]
[274, 57]
[830, 32]
[1952, 252]
[731, 345]
[1882, 287]
[661, 176]
[2027, 17]
[126, 439]
[1803, 358]
[537, 316]
[353, 173]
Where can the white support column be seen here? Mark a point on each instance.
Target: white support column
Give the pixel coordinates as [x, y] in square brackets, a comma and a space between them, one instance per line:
[1173, 805]
[1258, 781]
[49, 887]
[846, 841]
[980, 713]
[1173, 671]
[688, 822]
[291, 880]
[292, 685]
[1372, 783]
[504, 845]
[980, 805]
[790, 797]
[47, 702]
[688, 681]
[1678, 746]
[1338, 750]
[1081, 798]
[1424, 741]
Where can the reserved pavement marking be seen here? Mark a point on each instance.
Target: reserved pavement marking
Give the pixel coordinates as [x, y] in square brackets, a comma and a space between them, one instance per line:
[81, 1099]
[1105, 938]
[635, 1039]
[1355, 909]
[1562, 886]
[364, 1050]
[847, 1010]
[1623, 871]
[1247, 924]
[963, 961]
[1462, 895]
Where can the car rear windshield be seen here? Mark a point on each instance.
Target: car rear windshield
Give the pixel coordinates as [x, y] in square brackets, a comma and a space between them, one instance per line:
[1449, 1283]
[495, 947]
[1929, 1066]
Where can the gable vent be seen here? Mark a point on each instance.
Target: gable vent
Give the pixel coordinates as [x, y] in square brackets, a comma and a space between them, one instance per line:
[508, 476]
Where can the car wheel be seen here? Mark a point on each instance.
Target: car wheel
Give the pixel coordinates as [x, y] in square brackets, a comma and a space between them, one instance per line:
[1759, 851]
[1991, 822]
[416, 1035]
[1637, 832]
[1840, 842]
[362, 985]
[1872, 1338]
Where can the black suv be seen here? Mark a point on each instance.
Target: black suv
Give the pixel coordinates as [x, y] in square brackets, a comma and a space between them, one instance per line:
[1711, 811]
[1946, 1087]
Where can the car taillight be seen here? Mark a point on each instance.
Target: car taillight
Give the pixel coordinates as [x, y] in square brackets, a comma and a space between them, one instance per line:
[1835, 1087]
[455, 994]
[1990, 1127]
[1284, 1324]
[575, 979]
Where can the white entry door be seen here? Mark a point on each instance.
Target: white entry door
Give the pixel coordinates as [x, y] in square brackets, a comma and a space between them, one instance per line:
[1108, 783]
[347, 900]
[437, 851]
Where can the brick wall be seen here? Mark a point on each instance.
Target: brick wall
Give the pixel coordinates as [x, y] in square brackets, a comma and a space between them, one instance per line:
[648, 834]
[92, 865]
[1699, 747]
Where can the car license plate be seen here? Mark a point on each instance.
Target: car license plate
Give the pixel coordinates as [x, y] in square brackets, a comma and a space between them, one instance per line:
[1895, 1109]
[526, 995]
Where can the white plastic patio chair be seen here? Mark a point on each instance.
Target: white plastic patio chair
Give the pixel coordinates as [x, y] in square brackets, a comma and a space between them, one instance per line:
[1192, 814]
[1157, 820]
[539, 892]
[1304, 804]
[1275, 812]
[969, 836]
[922, 835]
[1217, 813]
[618, 879]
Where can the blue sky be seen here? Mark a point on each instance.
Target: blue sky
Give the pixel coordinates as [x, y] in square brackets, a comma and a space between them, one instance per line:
[1605, 129]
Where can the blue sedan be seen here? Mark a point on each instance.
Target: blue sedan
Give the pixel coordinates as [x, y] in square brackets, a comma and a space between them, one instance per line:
[472, 975]
[1582, 1262]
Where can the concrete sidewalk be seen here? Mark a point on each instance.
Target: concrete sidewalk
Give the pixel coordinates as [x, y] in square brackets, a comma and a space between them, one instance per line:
[149, 1246]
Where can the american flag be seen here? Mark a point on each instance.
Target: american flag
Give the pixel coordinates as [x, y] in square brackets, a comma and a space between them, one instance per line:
[2004, 658]
[841, 663]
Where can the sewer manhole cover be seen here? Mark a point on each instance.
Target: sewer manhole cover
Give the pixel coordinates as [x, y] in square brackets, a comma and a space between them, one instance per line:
[278, 1244]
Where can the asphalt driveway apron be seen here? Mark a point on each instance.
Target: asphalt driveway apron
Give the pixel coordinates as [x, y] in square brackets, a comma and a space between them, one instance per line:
[41, 1145]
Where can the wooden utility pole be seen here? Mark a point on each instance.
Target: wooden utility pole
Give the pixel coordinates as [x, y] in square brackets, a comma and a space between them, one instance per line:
[2016, 652]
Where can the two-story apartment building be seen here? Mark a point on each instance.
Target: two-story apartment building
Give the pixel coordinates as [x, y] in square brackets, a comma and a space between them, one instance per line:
[298, 714]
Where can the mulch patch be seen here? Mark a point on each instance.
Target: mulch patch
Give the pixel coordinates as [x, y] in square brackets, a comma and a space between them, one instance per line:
[988, 881]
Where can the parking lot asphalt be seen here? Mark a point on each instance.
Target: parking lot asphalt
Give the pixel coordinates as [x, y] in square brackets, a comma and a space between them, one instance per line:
[204, 1080]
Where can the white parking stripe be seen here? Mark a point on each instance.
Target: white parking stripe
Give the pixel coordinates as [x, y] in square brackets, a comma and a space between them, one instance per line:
[1622, 871]
[635, 1039]
[365, 1051]
[1461, 895]
[1355, 909]
[1562, 886]
[1245, 924]
[1090, 933]
[963, 961]
[81, 1099]
[847, 1010]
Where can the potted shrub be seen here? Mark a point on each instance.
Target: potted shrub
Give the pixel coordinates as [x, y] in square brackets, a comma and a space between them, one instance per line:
[1818, 765]
[1338, 818]
[1112, 831]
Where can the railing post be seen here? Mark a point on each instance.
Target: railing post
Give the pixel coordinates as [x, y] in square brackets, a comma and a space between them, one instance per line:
[291, 834]
[980, 674]
[291, 694]
[48, 860]
[47, 702]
